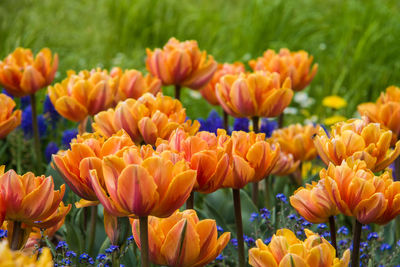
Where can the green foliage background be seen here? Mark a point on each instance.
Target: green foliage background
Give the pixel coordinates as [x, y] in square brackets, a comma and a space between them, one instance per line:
[355, 42]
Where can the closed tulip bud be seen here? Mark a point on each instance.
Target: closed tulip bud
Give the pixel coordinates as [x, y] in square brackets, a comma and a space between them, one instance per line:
[313, 202]
[259, 94]
[181, 63]
[9, 120]
[358, 139]
[251, 158]
[138, 184]
[83, 94]
[285, 164]
[133, 84]
[182, 240]
[85, 153]
[357, 192]
[297, 140]
[208, 92]
[385, 111]
[21, 74]
[293, 65]
[202, 153]
[19, 259]
[286, 250]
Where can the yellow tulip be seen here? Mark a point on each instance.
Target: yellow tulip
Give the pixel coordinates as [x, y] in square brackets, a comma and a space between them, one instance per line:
[19, 259]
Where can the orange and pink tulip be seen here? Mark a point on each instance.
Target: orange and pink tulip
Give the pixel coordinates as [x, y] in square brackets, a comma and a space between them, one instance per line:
[9, 118]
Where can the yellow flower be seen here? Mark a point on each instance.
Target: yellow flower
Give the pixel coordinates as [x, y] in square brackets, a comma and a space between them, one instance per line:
[334, 119]
[19, 259]
[334, 101]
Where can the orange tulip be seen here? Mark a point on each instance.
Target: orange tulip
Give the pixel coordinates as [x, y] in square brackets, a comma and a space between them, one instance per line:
[2, 209]
[357, 139]
[297, 140]
[203, 154]
[141, 184]
[182, 240]
[22, 75]
[75, 163]
[286, 250]
[313, 202]
[9, 120]
[358, 192]
[251, 158]
[293, 65]
[285, 164]
[146, 119]
[132, 84]
[208, 92]
[83, 94]
[385, 111]
[181, 63]
[258, 94]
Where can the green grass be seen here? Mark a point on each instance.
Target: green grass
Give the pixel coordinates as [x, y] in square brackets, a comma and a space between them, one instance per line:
[356, 43]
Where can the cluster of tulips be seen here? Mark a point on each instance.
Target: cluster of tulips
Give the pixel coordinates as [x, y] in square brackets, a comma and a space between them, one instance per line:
[139, 157]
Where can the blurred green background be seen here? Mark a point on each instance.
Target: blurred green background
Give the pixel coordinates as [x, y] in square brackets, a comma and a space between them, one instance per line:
[355, 43]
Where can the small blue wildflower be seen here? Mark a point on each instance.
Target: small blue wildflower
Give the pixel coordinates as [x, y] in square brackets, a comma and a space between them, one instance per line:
[322, 226]
[234, 242]
[3, 233]
[267, 240]
[268, 126]
[241, 124]
[220, 257]
[326, 234]
[111, 249]
[363, 256]
[62, 245]
[265, 213]
[249, 240]
[51, 149]
[299, 233]
[85, 258]
[66, 261]
[366, 227]
[343, 230]
[364, 244]
[398, 243]
[130, 239]
[67, 136]
[212, 123]
[253, 216]
[306, 224]
[342, 242]
[373, 235]
[26, 123]
[70, 254]
[300, 219]
[282, 198]
[101, 257]
[385, 246]
[220, 229]
[292, 216]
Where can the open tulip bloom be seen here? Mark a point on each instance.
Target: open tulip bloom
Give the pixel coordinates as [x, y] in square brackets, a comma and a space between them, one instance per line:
[9, 119]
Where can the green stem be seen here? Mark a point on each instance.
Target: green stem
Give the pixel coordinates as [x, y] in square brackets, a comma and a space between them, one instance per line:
[281, 120]
[115, 258]
[190, 201]
[144, 241]
[226, 121]
[177, 92]
[16, 236]
[332, 229]
[267, 192]
[254, 192]
[355, 256]
[36, 136]
[239, 226]
[93, 221]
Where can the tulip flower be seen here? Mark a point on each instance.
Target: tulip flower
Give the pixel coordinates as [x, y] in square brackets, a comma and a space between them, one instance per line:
[358, 139]
[286, 250]
[9, 120]
[182, 240]
[293, 65]
[146, 119]
[86, 150]
[357, 192]
[83, 94]
[259, 94]
[181, 64]
[285, 165]
[385, 111]
[203, 154]
[133, 84]
[313, 202]
[2, 209]
[297, 140]
[20, 259]
[21, 74]
[208, 92]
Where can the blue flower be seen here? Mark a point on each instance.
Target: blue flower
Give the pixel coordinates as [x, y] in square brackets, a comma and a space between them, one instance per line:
[363, 256]
[220, 229]
[342, 242]
[6, 93]
[373, 235]
[249, 240]
[234, 242]
[50, 111]
[292, 216]
[3, 234]
[25, 101]
[241, 124]
[326, 234]
[130, 240]
[67, 136]
[398, 243]
[220, 257]
[26, 123]
[70, 254]
[85, 258]
[111, 249]
[322, 226]
[343, 230]
[385, 246]
[51, 149]
[268, 126]
[282, 198]
[364, 244]
[212, 123]
[66, 261]
[265, 213]
[101, 257]
[306, 224]
[366, 227]
[253, 216]
[267, 240]
[299, 233]
[62, 245]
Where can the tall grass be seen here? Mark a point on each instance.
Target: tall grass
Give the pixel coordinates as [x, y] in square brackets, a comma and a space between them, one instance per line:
[356, 43]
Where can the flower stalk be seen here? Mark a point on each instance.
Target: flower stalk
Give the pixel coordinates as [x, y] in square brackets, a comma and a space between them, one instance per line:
[254, 192]
[93, 221]
[144, 241]
[36, 137]
[178, 92]
[239, 226]
[355, 255]
[190, 201]
[332, 229]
